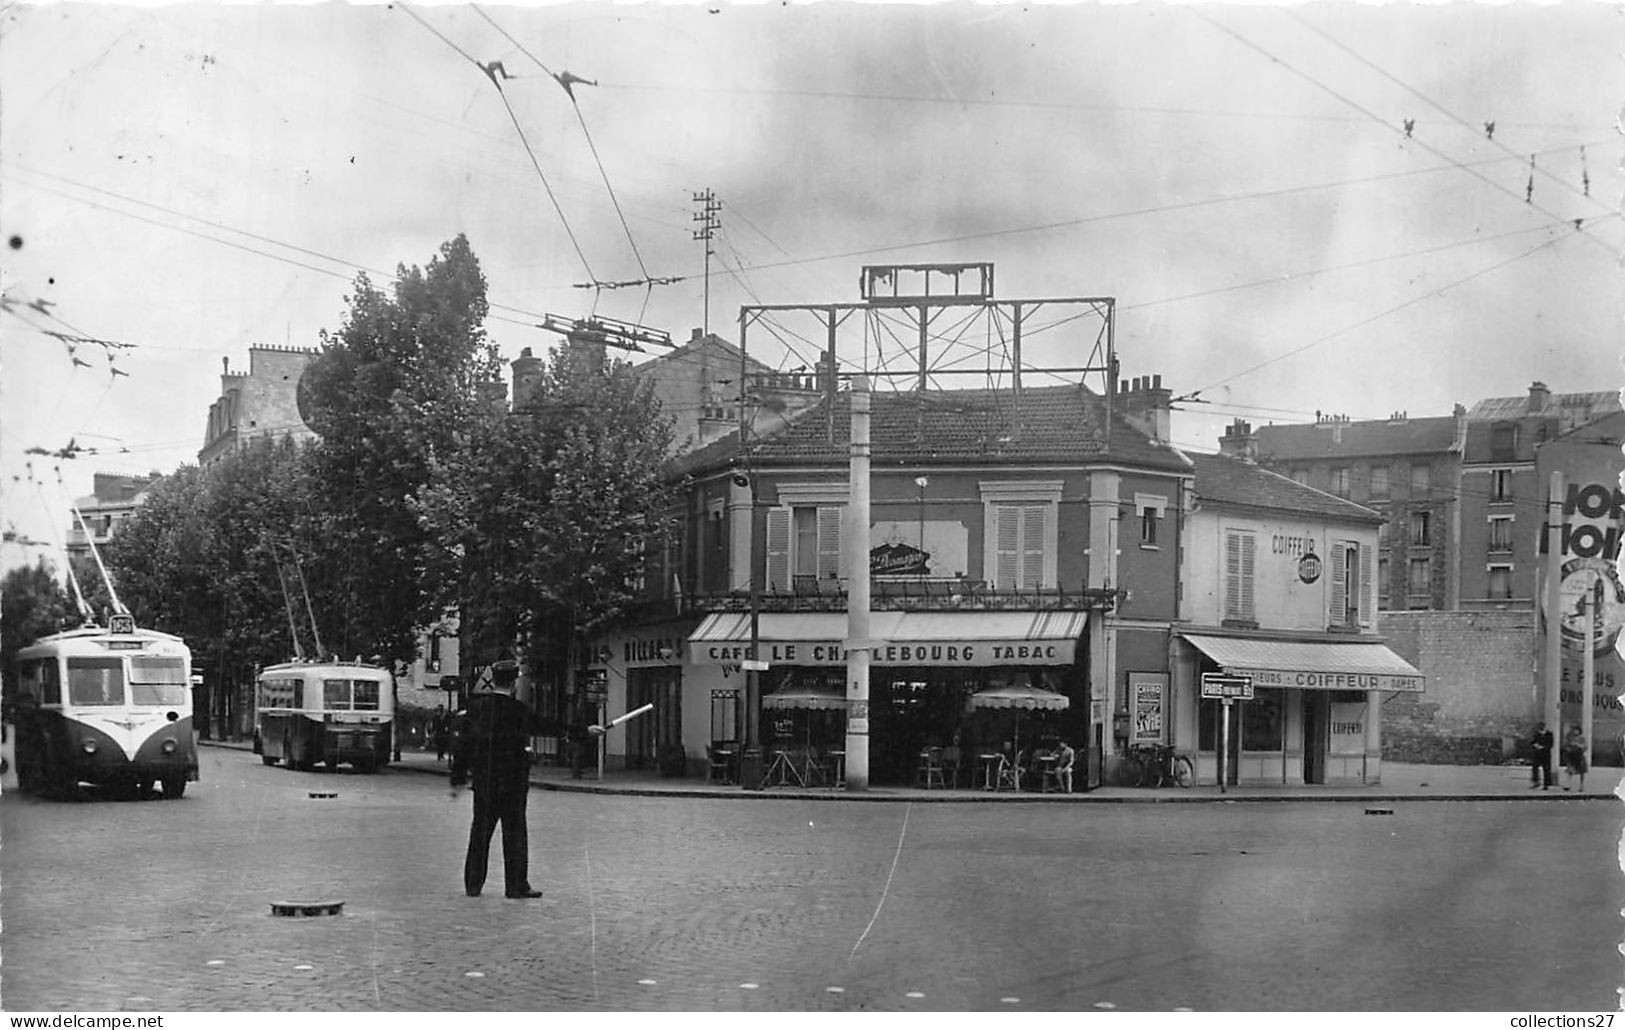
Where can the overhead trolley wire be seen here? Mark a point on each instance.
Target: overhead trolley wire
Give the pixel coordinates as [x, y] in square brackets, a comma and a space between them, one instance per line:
[1489, 134]
[495, 72]
[1383, 122]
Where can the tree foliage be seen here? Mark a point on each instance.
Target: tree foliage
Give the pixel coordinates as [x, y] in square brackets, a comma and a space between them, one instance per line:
[392, 391]
[543, 521]
[33, 603]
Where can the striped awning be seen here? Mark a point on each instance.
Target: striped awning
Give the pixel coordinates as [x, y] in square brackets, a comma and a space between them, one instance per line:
[962, 639]
[1311, 664]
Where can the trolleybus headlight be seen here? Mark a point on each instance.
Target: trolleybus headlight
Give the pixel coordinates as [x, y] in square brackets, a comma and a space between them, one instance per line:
[89, 747]
[168, 746]
[172, 716]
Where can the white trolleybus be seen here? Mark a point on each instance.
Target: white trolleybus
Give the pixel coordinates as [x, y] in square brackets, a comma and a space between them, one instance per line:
[110, 706]
[308, 713]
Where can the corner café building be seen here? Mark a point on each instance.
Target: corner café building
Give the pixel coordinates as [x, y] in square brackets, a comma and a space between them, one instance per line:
[924, 668]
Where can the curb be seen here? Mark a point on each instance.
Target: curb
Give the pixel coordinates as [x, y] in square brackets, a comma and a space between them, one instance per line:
[883, 796]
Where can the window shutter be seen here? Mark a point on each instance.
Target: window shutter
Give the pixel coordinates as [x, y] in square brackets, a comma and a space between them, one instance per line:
[1232, 575]
[1007, 546]
[829, 543]
[778, 549]
[1032, 547]
[1364, 599]
[1248, 545]
[1337, 606]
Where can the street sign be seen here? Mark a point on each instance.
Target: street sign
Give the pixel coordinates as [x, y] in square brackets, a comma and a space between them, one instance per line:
[1229, 688]
[753, 665]
[595, 686]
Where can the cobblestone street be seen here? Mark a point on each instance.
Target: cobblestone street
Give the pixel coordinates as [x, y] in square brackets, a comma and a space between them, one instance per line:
[787, 904]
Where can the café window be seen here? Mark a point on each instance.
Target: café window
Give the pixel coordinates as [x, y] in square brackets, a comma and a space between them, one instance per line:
[1020, 531]
[1350, 584]
[804, 534]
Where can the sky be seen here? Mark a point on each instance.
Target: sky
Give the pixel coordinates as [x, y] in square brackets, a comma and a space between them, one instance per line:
[1296, 209]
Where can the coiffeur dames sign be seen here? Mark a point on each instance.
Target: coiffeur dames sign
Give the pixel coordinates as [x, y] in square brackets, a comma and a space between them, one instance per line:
[1308, 679]
[964, 653]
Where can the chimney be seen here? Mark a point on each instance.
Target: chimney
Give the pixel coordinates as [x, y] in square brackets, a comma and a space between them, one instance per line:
[494, 395]
[1146, 405]
[1239, 441]
[1538, 396]
[527, 377]
[696, 335]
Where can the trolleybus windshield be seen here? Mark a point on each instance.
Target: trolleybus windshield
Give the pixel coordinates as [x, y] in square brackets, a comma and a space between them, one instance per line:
[96, 681]
[350, 695]
[158, 680]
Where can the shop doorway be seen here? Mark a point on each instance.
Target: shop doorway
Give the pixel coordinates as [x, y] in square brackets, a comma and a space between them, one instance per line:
[1210, 732]
[1315, 714]
[660, 733]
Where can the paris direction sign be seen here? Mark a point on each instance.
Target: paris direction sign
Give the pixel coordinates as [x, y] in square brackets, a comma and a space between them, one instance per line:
[1229, 688]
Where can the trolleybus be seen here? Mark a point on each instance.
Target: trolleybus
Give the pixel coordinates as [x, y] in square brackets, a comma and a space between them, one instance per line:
[308, 713]
[105, 706]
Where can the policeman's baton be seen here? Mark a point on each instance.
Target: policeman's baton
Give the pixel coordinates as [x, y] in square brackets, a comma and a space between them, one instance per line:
[598, 731]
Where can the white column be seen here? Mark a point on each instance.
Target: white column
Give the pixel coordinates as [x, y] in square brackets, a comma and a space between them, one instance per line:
[1373, 736]
[1103, 515]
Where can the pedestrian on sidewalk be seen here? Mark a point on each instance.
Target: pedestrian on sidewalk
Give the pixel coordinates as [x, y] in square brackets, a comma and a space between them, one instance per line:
[440, 729]
[1540, 758]
[492, 755]
[1574, 755]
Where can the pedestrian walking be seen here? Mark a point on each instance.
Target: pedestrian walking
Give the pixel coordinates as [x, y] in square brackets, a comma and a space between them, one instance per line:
[492, 756]
[440, 730]
[1540, 757]
[1574, 755]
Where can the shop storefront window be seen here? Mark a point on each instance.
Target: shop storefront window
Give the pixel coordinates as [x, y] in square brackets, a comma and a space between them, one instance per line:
[1259, 722]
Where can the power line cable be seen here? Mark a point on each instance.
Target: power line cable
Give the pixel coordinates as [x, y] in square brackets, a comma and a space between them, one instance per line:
[1489, 133]
[1527, 199]
[1382, 314]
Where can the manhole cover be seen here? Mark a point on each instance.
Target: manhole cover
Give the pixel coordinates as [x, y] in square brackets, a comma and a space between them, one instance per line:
[306, 908]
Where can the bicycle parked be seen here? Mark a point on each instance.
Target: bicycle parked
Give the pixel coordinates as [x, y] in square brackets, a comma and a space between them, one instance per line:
[1152, 765]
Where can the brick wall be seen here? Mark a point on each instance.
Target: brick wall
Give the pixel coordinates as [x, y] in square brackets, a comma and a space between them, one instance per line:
[1479, 704]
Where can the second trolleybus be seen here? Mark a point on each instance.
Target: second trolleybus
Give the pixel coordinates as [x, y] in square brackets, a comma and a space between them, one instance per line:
[309, 713]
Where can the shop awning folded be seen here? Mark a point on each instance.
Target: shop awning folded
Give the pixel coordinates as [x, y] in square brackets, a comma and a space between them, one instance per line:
[962, 639]
[1311, 665]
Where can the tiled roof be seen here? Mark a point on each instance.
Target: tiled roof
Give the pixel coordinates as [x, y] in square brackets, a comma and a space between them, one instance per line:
[1224, 480]
[1433, 435]
[1056, 424]
[1575, 408]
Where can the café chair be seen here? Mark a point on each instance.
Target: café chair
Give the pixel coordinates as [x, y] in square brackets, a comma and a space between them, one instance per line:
[930, 771]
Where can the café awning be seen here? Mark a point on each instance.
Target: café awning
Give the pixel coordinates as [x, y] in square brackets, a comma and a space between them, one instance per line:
[955, 639]
[1311, 664]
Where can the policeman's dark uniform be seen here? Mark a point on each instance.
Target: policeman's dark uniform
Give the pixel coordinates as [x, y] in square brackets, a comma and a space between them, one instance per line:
[491, 756]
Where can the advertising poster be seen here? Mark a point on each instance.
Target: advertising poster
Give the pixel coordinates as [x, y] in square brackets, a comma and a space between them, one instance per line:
[1147, 697]
[1591, 591]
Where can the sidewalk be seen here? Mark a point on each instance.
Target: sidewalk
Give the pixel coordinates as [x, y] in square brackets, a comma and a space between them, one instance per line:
[1400, 781]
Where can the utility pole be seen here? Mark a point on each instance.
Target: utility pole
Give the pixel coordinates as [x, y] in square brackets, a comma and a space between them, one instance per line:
[858, 643]
[1553, 664]
[710, 222]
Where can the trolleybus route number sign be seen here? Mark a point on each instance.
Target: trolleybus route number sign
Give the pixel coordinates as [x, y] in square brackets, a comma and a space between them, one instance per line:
[1229, 688]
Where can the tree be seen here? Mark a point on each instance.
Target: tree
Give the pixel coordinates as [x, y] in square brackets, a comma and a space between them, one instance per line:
[392, 392]
[32, 604]
[543, 520]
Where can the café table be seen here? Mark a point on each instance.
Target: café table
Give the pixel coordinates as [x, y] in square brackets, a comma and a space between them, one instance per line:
[992, 766]
[785, 767]
[1047, 780]
[835, 767]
